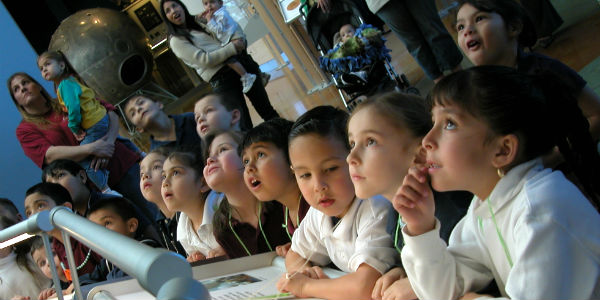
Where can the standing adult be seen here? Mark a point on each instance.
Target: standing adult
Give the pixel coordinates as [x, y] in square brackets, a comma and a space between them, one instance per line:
[197, 48]
[45, 136]
[545, 20]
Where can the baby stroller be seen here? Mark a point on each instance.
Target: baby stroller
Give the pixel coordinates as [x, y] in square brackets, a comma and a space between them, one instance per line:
[381, 76]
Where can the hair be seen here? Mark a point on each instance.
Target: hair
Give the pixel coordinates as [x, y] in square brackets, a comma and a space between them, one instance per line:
[184, 30]
[55, 191]
[125, 119]
[513, 13]
[400, 110]
[237, 136]
[190, 156]
[162, 150]
[530, 107]
[21, 249]
[326, 121]
[36, 243]
[119, 205]
[58, 165]
[61, 58]
[274, 131]
[10, 206]
[230, 103]
[50, 102]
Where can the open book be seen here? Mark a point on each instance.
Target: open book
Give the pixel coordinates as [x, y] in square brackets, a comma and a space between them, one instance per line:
[253, 277]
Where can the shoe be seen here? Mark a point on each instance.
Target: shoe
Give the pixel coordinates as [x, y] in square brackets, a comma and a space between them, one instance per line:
[265, 77]
[247, 82]
[350, 79]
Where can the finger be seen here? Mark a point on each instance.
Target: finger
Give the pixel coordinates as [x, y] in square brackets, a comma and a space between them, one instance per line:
[419, 172]
[416, 184]
[320, 273]
[376, 293]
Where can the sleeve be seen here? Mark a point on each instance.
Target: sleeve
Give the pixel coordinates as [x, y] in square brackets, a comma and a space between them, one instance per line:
[34, 143]
[189, 53]
[439, 272]
[374, 246]
[70, 91]
[306, 240]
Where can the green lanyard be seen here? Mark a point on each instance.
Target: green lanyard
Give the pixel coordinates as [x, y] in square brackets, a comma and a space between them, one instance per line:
[259, 226]
[396, 235]
[285, 225]
[497, 231]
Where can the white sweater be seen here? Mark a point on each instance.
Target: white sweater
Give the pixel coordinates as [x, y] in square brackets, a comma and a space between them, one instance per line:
[551, 233]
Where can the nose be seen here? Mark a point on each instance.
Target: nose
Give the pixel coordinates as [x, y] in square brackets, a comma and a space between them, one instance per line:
[145, 176]
[428, 141]
[320, 185]
[352, 158]
[210, 160]
[468, 30]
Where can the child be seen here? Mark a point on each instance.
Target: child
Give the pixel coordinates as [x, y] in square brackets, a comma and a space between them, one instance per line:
[9, 210]
[217, 112]
[242, 225]
[385, 136]
[339, 227]
[88, 119]
[347, 32]
[147, 115]
[184, 190]
[225, 28]
[118, 215]
[38, 253]
[491, 126]
[150, 184]
[46, 196]
[495, 32]
[267, 172]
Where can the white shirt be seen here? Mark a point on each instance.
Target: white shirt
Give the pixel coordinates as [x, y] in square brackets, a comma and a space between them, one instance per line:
[15, 280]
[202, 240]
[360, 237]
[223, 26]
[551, 233]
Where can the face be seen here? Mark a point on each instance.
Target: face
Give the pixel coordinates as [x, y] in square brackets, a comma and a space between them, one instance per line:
[458, 156]
[346, 32]
[320, 167]
[180, 185]
[224, 165]
[111, 220]
[266, 171]
[484, 37]
[51, 68]
[151, 177]
[141, 111]
[74, 184]
[211, 116]
[381, 154]
[212, 5]
[174, 12]
[39, 257]
[26, 92]
[37, 202]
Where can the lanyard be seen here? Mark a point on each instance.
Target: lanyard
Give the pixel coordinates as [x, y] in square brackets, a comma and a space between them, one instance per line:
[285, 225]
[497, 232]
[259, 226]
[399, 249]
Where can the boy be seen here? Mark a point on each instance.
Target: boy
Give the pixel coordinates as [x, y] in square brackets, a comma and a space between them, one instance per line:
[46, 196]
[147, 115]
[118, 215]
[9, 210]
[216, 112]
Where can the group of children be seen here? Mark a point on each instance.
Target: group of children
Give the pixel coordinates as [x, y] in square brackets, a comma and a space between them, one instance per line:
[436, 199]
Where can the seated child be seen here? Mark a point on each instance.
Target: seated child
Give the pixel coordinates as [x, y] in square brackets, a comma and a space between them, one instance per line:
[118, 215]
[339, 227]
[268, 175]
[38, 253]
[347, 32]
[528, 228]
[217, 112]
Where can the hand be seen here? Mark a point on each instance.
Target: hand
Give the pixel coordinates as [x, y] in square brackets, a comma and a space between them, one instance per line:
[314, 272]
[99, 163]
[471, 295]
[207, 14]
[293, 284]
[282, 250]
[19, 297]
[102, 148]
[216, 252]
[79, 136]
[399, 290]
[195, 256]
[414, 202]
[325, 5]
[47, 293]
[386, 281]
[240, 45]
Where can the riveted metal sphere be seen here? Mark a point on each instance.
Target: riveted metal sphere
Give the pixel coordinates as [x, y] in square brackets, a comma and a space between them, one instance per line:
[107, 49]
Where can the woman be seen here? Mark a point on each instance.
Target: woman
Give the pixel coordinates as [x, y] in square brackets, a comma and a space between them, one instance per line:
[45, 136]
[197, 48]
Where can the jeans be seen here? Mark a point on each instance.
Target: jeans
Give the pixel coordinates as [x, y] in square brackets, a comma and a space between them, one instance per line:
[227, 82]
[92, 134]
[419, 27]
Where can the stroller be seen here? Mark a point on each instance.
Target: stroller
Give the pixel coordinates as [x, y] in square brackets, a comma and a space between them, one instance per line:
[322, 27]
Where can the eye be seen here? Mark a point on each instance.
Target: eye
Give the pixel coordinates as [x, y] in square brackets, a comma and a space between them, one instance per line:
[163, 176]
[157, 167]
[27, 213]
[460, 27]
[41, 205]
[352, 144]
[260, 154]
[479, 18]
[371, 142]
[329, 170]
[107, 223]
[245, 161]
[449, 125]
[221, 150]
[304, 176]
[175, 172]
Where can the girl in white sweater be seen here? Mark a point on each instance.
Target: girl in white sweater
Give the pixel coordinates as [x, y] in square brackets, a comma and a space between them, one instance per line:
[528, 228]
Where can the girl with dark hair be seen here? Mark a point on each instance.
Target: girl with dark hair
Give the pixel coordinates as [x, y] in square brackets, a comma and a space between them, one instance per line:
[524, 226]
[191, 43]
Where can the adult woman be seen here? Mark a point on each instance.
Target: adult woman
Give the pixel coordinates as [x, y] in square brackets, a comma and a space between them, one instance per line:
[200, 50]
[45, 137]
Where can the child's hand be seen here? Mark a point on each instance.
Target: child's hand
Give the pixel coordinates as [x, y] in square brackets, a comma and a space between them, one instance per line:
[293, 284]
[47, 293]
[216, 252]
[414, 202]
[79, 135]
[282, 250]
[385, 281]
[195, 256]
[207, 14]
[314, 272]
[401, 289]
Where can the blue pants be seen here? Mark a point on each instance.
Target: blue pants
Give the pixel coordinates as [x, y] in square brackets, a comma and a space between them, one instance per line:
[92, 134]
[419, 27]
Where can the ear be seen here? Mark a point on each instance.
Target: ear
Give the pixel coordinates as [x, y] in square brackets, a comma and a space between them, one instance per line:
[514, 29]
[62, 65]
[132, 225]
[507, 148]
[235, 117]
[82, 176]
[420, 155]
[68, 204]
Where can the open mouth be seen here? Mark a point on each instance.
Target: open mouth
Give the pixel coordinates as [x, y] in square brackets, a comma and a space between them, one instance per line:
[254, 183]
[472, 44]
[326, 202]
[147, 185]
[204, 128]
[212, 170]
[167, 195]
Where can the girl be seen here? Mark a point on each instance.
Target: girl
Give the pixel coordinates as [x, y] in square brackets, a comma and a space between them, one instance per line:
[184, 189]
[267, 172]
[38, 253]
[88, 119]
[524, 225]
[339, 227]
[385, 136]
[242, 225]
[495, 32]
